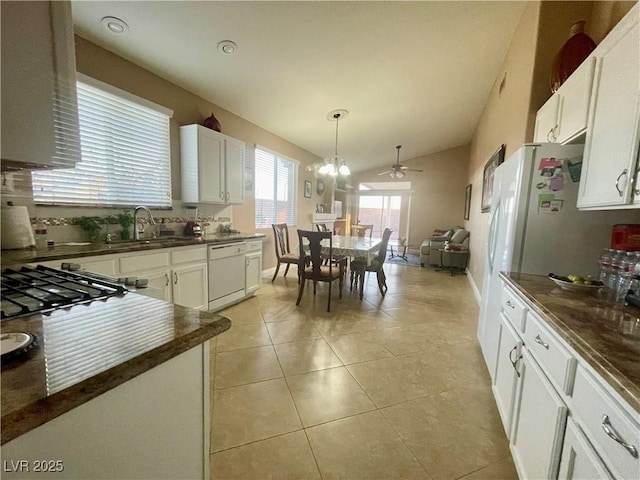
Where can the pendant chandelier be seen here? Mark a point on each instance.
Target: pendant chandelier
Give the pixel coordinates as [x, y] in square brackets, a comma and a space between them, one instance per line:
[335, 165]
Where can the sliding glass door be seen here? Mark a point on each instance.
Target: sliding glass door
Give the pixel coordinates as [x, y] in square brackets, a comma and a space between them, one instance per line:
[382, 211]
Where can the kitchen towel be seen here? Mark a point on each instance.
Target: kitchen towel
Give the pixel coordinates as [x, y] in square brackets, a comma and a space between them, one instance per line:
[16, 228]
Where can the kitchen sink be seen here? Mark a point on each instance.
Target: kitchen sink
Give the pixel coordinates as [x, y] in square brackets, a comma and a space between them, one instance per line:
[146, 241]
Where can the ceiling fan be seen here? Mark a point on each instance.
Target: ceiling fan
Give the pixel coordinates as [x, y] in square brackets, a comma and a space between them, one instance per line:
[398, 170]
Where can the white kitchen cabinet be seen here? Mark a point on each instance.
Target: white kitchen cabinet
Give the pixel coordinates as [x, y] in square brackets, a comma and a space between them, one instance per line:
[539, 423]
[212, 166]
[546, 121]
[39, 103]
[563, 118]
[507, 373]
[579, 461]
[156, 425]
[253, 270]
[611, 147]
[189, 277]
[190, 286]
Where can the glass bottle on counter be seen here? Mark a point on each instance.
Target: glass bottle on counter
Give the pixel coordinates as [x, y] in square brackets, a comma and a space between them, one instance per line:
[616, 260]
[605, 264]
[625, 274]
[40, 232]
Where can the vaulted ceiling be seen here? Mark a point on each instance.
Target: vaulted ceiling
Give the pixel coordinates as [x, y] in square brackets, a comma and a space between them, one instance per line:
[410, 73]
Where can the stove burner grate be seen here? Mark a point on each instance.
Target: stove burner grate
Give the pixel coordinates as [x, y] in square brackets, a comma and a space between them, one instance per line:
[43, 289]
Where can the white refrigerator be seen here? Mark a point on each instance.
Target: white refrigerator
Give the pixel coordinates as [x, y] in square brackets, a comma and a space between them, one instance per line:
[535, 227]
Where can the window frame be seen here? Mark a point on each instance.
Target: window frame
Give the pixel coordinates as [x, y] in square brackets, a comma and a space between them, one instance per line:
[294, 185]
[98, 168]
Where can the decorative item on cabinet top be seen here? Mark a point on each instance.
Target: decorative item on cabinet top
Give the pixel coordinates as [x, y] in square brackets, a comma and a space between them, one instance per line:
[212, 123]
[571, 55]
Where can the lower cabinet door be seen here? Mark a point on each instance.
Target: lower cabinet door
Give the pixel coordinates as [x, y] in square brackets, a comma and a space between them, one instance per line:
[579, 461]
[190, 286]
[539, 423]
[253, 262]
[506, 377]
[159, 285]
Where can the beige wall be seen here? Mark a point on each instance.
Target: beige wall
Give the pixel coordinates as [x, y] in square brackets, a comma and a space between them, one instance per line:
[438, 198]
[188, 108]
[503, 121]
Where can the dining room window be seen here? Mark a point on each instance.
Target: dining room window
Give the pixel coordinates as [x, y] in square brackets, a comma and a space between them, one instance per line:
[125, 153]
[276, 178]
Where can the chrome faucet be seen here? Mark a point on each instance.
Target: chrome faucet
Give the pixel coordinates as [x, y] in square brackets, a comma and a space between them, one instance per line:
[136, 232]
[109, 237]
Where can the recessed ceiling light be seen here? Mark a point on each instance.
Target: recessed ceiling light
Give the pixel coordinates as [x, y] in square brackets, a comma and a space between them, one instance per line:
[115, 25]
[227, 47]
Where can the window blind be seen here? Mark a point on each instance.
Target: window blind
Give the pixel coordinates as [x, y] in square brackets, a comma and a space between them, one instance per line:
[275, 184]
[125, 150]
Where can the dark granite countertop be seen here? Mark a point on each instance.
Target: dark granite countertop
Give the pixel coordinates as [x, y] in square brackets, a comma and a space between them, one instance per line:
[606, 337]
[12, 258]
[88, 349]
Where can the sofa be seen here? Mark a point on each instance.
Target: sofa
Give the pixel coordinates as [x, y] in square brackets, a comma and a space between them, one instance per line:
[456, 238]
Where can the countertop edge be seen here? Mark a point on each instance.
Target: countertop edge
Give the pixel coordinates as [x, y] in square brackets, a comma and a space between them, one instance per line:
[13, 258]
[626, 389]
[21, 421]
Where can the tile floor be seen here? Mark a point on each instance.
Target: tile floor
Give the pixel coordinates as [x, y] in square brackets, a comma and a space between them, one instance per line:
[387, 387]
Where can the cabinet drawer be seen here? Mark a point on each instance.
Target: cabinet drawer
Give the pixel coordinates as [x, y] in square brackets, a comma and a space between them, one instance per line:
[591, 403]
[148, 261]
[254, 246]
[189, 255]
[513, 309]
[555, 359]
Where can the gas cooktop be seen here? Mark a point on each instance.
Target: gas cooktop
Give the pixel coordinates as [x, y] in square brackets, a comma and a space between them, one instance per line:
[43, 289]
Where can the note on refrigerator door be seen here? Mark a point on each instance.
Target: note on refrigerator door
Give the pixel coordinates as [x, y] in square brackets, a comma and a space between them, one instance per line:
[549, 204]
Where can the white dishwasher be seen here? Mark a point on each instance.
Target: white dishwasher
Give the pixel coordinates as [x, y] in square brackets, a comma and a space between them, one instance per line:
[226, 274]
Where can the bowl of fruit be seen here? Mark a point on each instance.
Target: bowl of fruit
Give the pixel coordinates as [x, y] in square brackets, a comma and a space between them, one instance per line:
[576, 283]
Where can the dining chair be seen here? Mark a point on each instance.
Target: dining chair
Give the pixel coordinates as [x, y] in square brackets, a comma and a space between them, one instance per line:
[360, 230]
[283, 252]
[359, 266]
[312, 265]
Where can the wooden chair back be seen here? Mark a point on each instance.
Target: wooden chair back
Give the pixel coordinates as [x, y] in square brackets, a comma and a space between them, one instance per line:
[313, 253]
[281, 239]
[360, 230]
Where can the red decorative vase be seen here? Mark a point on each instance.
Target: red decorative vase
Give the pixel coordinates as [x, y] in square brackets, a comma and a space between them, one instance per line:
[571, 55]
[212, 123]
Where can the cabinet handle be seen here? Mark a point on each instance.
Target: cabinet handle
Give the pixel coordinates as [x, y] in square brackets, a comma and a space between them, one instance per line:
[166, 279]
[514, 363]
[175, 278]
[553, 132]
[539, 341]
[549, 136]
[227, 196]
[510, 305]
[611, 432]
[624, 173]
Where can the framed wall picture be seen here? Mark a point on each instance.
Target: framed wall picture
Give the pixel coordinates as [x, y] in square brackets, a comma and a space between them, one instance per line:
[307, 189]
[467, 202]
[487, 179]
[320, 187]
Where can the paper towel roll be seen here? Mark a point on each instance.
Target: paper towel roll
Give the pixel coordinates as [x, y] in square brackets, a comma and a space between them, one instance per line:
[16, 228]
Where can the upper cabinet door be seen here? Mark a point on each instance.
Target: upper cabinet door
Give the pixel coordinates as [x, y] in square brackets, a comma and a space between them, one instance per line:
[210, 168]
[575, 95]
[611, 147]
[546, 121]
[39, 102]
[234, 174]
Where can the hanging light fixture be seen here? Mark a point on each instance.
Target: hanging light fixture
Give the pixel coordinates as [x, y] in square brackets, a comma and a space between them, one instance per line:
[335, 166]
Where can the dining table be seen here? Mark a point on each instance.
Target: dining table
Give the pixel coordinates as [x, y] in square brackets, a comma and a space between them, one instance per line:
[352, 247]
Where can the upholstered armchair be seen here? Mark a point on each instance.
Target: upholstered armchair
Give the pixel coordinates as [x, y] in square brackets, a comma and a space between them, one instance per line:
[430, 249]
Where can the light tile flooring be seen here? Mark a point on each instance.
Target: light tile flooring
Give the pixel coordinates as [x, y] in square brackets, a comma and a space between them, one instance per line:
[387, 387]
